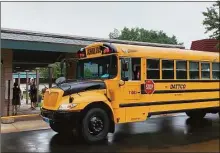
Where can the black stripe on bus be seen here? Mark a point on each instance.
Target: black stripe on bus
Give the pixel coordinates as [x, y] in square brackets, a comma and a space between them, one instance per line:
[178, 91]
[171, 81]
[168, 102]
[209, 109]
[183, 91]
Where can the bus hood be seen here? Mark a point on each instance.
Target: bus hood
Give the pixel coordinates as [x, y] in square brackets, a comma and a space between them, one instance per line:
[80, 86]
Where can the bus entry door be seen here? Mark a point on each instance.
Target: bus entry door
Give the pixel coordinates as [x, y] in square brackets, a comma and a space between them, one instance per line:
[131, 89]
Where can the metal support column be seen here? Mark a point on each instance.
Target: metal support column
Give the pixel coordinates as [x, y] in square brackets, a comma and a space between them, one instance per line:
[27, 81]
[19, 79]
[37, 83]
[50, 76]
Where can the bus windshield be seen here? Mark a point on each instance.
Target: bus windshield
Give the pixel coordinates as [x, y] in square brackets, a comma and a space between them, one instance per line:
[97, 68]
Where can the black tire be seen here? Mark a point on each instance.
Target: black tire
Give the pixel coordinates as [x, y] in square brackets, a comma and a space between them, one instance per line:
[196, 114]
[95, 125]
[60, 128]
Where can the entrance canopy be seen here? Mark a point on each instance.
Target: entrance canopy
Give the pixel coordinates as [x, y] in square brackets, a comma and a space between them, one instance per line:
[34, 49]
[38, 49]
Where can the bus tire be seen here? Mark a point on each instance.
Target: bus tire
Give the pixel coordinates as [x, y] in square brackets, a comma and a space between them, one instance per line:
[95, 125]
[196, 114]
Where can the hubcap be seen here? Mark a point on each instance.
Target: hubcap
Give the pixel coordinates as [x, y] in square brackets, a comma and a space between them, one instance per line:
[96, 125]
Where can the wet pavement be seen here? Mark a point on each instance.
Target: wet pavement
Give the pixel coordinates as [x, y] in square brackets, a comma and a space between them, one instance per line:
[168, 134]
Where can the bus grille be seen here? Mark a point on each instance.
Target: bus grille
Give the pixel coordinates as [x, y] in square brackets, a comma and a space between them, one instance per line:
[50, 99]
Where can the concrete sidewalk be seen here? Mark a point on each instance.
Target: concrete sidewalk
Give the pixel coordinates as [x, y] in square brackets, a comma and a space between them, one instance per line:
[27, 125]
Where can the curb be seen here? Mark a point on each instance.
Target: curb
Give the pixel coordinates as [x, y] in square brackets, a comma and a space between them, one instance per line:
[22, 117]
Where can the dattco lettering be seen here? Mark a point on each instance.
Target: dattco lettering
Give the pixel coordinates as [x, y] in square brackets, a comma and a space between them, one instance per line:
[177, 86]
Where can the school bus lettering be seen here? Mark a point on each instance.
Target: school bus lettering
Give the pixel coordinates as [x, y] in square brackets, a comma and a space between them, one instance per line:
[93, 51]
[178, 86]
[135, 119]
[113, 87]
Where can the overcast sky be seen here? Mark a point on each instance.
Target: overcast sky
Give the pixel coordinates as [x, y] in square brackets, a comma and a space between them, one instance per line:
[98, 19]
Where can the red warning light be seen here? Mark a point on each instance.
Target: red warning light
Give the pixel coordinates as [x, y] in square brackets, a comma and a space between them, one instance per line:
[81, 53]
[106, 50]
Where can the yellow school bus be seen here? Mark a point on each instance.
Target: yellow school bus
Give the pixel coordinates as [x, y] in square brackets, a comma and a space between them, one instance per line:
[121, 83]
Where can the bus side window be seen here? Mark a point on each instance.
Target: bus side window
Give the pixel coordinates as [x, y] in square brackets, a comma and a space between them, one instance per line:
[194, 70]
[167, 69]
[136, 68]
[126, 75]
[181, 70]
[153, 69]
[205, 69]
[215, 71]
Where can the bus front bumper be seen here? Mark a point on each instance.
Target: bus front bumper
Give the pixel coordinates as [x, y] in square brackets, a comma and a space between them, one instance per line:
[60, 116]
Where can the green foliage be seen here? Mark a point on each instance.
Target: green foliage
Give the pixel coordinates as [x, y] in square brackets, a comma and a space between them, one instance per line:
[143, 35]
[87, 73]
[56, 71]
[44, 73]
[212, 21]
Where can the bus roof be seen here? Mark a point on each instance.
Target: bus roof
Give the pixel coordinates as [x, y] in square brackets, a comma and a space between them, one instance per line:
[165, 53]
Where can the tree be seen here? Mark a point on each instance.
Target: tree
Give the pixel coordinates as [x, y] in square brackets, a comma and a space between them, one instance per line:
[56, 71]
[87, 73]
[143, 35]
[212, 20]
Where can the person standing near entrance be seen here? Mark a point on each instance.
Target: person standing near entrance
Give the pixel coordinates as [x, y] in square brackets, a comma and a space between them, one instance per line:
[16, 98]
[33, 95]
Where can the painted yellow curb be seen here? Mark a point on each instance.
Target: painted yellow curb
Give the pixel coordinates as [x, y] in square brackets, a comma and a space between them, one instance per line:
[17, 116]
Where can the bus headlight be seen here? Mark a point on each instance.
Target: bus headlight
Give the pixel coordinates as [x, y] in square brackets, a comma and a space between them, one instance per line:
[67, 106]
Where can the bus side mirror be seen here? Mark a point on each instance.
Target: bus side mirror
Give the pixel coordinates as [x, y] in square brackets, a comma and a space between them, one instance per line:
[125, 66]
[60, 80]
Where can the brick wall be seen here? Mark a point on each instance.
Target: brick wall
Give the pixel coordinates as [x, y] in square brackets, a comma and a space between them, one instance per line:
[6, 69]
[205, 45]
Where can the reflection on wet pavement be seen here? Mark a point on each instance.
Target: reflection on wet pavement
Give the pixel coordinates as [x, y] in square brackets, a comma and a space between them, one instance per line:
[155, 134]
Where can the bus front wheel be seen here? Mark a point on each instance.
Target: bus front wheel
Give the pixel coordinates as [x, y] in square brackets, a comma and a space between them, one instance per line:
[95, 125]
[196, 114]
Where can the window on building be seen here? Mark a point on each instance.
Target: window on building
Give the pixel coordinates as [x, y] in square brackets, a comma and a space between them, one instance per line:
[153, 69]
[194, 70]
[181, 70]
[215, 71]
[167, 69]
[205, 69]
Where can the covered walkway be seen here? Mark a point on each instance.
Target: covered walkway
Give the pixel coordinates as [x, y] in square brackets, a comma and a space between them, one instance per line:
[22, 52]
